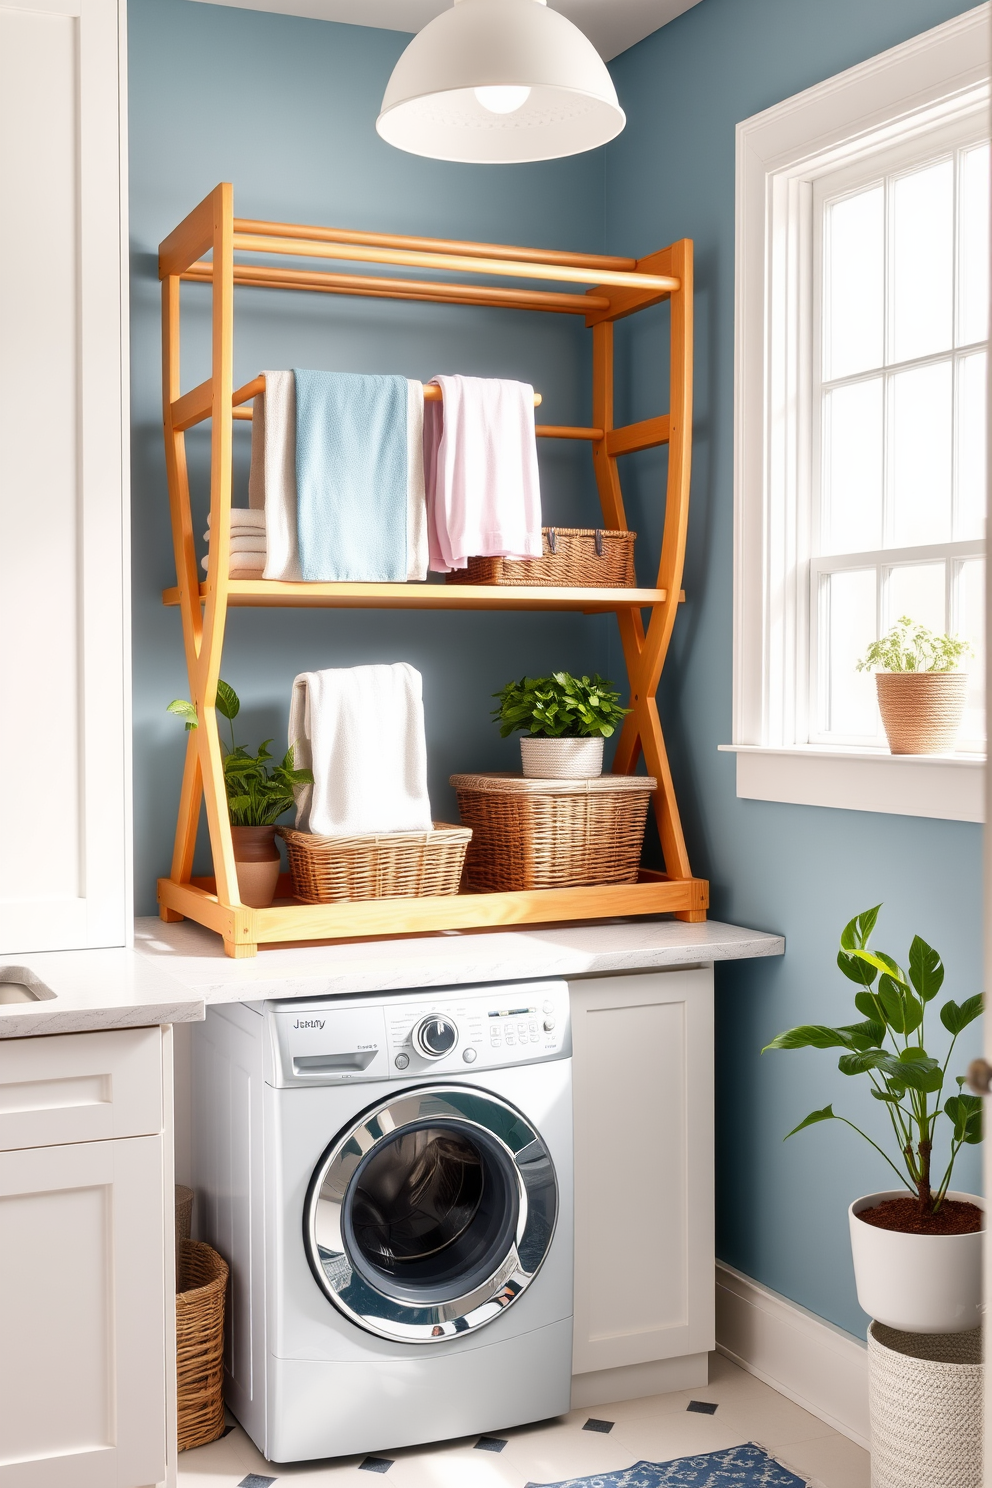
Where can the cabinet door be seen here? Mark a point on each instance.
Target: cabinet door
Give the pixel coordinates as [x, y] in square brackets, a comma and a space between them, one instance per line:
[64, 833]
[82, 1363]
[80, 1087]
[643, 1100]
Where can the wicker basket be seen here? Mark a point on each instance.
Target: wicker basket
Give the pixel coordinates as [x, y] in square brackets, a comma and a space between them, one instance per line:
[574, 557]
[925, 1397]
[921, 711]
[200, 1345]
[543, 834]
[400, 865]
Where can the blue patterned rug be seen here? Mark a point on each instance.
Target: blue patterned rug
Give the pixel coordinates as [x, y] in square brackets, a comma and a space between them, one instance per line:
[736, 1467]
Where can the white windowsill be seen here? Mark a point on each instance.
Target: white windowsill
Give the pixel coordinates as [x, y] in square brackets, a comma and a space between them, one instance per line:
[948, 786]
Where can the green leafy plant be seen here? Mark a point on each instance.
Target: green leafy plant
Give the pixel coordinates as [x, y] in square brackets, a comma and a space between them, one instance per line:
[912, 648]
[559, 706]
[888, 1047]
[256, 795]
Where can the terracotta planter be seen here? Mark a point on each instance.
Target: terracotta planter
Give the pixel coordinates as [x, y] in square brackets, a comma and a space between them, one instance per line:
[562, 759]
[921, 711]
[917, 1283]
[257, 858]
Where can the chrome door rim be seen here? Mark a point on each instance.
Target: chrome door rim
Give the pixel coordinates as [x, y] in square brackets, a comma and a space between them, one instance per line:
[464, 1109]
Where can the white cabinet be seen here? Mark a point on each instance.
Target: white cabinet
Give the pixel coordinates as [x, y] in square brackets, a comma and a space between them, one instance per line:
[643, 1103]
[86, 1281]
[64, 836]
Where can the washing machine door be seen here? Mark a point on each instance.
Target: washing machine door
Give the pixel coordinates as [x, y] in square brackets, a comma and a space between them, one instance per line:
[431, 1213]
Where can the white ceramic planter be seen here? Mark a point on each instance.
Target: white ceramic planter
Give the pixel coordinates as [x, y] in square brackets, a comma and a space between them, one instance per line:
[917, 1283]
[562, 759]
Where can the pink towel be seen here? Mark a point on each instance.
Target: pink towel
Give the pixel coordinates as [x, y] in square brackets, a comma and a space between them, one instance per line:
[480, 471]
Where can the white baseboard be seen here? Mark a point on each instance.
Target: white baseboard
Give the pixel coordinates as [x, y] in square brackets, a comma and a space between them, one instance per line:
[814, 1363]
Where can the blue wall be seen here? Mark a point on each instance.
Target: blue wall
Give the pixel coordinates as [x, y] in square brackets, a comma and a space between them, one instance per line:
[802, 871]
[285, 109]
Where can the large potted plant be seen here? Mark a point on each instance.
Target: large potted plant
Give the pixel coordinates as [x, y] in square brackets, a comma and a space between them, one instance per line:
[921, 694]
[917, 1248]
[566, 719]
[257, 796]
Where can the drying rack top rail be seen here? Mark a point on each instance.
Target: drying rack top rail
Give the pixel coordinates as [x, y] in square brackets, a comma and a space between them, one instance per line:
[616, 286]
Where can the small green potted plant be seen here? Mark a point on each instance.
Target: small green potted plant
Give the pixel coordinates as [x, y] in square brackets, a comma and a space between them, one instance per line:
[917, 1249]
[565, 719]
[257, 796]
[921, 694]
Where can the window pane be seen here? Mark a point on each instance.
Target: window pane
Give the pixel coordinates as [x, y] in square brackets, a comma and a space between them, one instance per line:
[970, 625]
[849, 611]
[973, 252]
[920, 456]
[853, 283]
[970, 518]
[852, 468]
[918, 591]
[922, 261]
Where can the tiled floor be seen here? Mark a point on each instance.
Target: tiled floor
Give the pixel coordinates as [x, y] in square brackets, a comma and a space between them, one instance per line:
[601, 1439]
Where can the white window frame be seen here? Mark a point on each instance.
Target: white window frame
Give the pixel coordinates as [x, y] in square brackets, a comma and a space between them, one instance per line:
[940, 77]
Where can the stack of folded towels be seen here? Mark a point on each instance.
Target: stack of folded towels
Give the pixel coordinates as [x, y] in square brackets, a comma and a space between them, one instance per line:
[360, 730]
[247, 543]
[354, 478]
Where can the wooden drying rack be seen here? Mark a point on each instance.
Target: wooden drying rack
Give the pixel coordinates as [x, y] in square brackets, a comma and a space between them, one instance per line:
[619, 287]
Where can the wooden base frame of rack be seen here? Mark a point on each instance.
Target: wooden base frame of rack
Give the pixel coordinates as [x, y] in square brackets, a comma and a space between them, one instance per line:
[614, 287]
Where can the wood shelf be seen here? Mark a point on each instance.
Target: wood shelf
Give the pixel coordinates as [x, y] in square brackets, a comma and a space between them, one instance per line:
[244, 929]
[263, 593]
[645, 617]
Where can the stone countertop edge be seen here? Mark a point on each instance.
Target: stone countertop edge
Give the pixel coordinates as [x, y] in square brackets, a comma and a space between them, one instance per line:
[175, 971]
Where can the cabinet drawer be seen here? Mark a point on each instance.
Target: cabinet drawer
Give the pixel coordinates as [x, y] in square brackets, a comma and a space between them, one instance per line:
[80, 1087]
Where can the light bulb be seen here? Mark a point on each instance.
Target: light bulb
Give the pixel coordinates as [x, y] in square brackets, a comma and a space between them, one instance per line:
[502, 99]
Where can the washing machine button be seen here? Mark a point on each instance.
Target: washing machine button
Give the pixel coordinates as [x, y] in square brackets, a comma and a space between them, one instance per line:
[549, 1024]
[470, 1056]
[549, 1007]
[401, 1061]
[435, 1036]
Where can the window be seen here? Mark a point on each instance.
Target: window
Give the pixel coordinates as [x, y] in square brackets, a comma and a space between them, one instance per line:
[900, 306]
[862, 335]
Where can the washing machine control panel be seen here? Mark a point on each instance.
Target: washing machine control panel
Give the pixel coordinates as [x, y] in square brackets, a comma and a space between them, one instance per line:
[336, 1040]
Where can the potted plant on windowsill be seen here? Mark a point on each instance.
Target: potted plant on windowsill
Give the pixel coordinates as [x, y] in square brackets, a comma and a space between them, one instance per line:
[256, 797]
[921, 694]
[917, 1249]
[566, 719]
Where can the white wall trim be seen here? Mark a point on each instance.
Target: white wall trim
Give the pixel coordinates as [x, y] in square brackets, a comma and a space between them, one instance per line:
[948, 787]
[812, 1362]
[940, 77]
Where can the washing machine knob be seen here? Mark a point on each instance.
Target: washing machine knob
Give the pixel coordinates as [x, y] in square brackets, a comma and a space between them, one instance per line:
[435, 1036]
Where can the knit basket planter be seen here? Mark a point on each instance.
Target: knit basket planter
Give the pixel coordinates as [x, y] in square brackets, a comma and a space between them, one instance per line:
[544, 834]
[200, 1345]
[925, 1402]
[921, 711]
[561, 759]
[397, 865]
[574, 557]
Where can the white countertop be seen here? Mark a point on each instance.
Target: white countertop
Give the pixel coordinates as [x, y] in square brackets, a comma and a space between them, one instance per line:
[174, 971]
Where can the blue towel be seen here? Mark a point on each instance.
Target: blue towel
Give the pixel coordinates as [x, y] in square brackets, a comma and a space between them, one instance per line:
[351, 476]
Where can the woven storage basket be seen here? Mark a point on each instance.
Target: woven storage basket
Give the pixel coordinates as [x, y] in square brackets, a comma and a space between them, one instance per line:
[921, 711]
[574, 557]
[543, 834]
[200, 1345]
[925, 1397]
[401, 865]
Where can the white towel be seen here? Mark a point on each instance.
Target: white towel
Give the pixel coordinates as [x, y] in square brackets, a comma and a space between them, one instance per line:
[272, 477]
[243, 519]
[242, 565]
[361, 731]
[416, 517]
[250, 541]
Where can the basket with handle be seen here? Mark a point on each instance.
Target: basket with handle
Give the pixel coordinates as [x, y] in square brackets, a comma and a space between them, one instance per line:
[200, 1345]
[573, 557]
[396, 865]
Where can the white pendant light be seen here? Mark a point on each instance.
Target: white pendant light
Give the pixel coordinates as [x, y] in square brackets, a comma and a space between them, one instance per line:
[499, 81]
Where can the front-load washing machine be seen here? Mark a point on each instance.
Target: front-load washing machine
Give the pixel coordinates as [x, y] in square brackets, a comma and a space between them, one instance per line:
[390, 1179]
